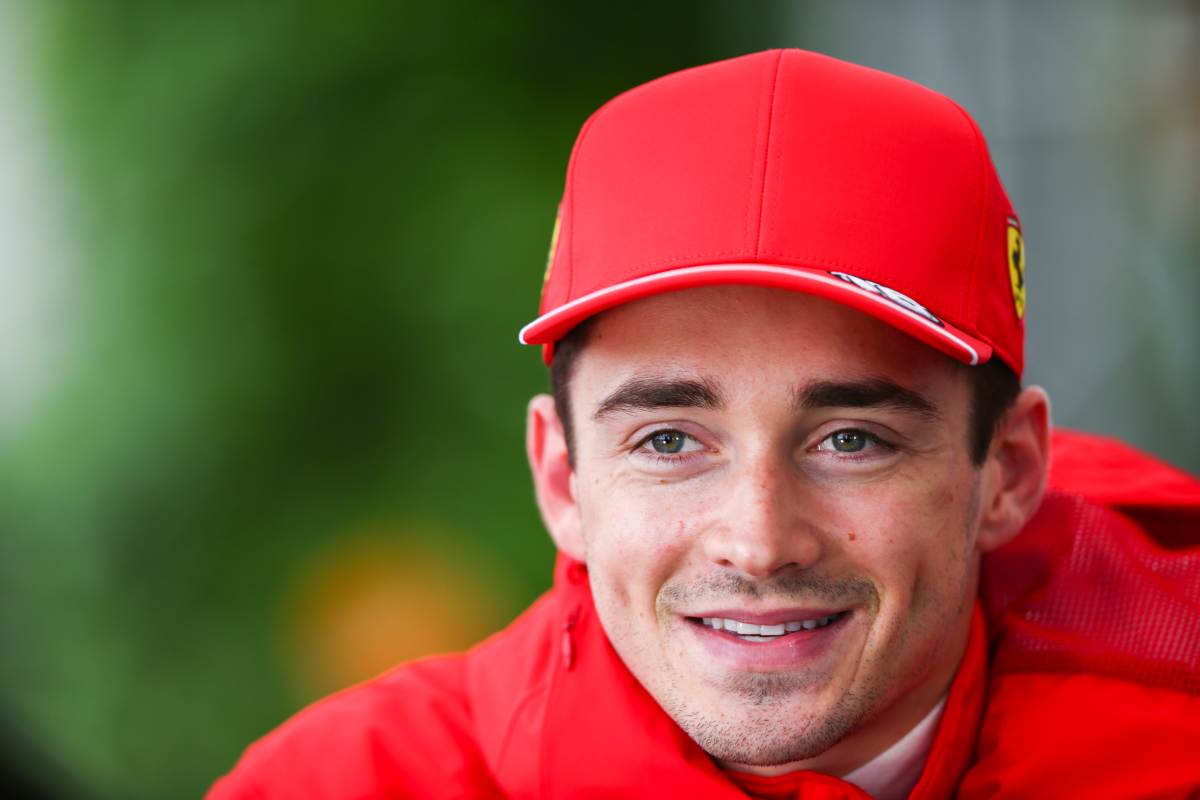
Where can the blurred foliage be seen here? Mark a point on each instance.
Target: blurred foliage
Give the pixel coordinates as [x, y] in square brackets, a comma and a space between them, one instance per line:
[306, 236]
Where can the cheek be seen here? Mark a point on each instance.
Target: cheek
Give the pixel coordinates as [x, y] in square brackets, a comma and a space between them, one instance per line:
[942, 558]
[636, 539]
[915, 540]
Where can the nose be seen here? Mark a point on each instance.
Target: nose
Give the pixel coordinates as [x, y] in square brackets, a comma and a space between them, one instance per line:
[763, 529]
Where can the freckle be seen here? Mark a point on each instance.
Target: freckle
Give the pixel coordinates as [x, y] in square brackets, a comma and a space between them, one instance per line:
[851, 536]
[662, 480]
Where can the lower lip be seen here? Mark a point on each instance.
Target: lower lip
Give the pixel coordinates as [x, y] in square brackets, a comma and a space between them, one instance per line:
[795, 649]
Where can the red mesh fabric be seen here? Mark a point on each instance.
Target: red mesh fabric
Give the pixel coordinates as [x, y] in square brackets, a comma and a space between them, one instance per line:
[1114, 474]
[1083, 588]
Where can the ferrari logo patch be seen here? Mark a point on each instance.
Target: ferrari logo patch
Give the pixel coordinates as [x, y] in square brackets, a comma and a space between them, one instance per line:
[1016, 265]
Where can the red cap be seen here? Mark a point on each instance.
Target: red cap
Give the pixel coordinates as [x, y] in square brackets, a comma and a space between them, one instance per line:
[798, 171]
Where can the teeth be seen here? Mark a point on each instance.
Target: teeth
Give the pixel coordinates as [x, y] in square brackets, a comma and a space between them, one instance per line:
[764, 633]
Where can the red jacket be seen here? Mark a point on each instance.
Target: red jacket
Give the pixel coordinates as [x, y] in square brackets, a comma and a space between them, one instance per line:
[1081, 679]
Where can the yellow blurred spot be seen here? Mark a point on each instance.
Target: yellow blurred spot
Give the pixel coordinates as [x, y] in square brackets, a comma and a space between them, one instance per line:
[377, 598]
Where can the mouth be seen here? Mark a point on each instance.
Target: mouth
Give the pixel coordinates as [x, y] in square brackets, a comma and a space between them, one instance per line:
[760, 633]
[783, 640]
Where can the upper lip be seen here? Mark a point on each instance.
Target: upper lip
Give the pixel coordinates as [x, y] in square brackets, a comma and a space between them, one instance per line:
[766, 617]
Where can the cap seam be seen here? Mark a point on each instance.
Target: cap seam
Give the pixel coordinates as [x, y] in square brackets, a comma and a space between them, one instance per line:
[747, 217]
[784, 109]
[972, 310]
[766, 157]
[570, 222]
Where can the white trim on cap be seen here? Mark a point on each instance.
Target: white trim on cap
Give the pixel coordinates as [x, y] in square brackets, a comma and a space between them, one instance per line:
[766, 269]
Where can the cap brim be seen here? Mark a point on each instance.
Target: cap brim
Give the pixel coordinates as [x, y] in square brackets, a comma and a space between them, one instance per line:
[957, 344]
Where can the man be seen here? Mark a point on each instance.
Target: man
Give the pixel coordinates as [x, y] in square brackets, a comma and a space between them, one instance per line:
[784, 321]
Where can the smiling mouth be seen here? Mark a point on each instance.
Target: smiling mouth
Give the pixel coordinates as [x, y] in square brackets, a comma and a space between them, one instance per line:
[751, 632]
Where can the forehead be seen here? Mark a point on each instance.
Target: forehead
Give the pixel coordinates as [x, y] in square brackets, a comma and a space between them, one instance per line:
[752, 337]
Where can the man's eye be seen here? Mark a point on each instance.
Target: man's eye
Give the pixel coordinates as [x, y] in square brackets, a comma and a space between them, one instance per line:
[667, 442]
[850, 440]
[670, 442]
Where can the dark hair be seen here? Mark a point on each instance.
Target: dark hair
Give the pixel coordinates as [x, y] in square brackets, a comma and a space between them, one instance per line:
[562, 366]
[994, 388]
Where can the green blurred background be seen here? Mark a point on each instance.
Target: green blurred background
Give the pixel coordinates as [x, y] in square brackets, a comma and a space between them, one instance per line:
[263, 268]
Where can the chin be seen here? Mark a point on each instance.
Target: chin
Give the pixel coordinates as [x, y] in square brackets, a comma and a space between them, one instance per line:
[767, 742]
[767, 734]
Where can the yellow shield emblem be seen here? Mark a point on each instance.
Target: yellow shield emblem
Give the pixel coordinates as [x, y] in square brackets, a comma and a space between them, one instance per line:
[1016, 265]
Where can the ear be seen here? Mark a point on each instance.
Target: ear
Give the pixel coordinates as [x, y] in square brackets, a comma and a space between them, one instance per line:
[1014, 474]
[553, 477]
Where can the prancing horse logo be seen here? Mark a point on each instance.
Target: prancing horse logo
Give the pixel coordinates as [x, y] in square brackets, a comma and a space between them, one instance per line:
[1016, 265]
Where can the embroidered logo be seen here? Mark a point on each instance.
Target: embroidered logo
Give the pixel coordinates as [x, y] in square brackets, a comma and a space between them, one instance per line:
[1016, 265]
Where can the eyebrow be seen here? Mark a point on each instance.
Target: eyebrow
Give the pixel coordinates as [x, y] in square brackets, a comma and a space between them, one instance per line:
[644, 394]
[868, 393]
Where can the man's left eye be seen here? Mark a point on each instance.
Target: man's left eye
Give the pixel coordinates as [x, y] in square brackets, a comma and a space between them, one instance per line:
[848, 440]
[670, 442]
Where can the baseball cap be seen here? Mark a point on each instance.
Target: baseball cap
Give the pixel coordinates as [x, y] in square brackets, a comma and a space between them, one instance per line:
[794, 170]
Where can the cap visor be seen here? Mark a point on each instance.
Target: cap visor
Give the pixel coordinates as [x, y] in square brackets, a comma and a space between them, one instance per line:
[552, 326]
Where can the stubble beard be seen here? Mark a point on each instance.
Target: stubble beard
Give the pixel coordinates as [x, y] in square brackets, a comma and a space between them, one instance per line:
[766, 723]
[766, 732]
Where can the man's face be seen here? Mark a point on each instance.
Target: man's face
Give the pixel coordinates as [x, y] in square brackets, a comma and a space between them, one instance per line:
[798, 472]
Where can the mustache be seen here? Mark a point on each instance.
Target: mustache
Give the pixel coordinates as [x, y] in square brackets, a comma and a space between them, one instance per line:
[793, 586]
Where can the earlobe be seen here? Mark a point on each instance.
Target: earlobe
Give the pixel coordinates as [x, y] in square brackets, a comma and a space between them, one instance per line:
[1016, 469]
[553, 477]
